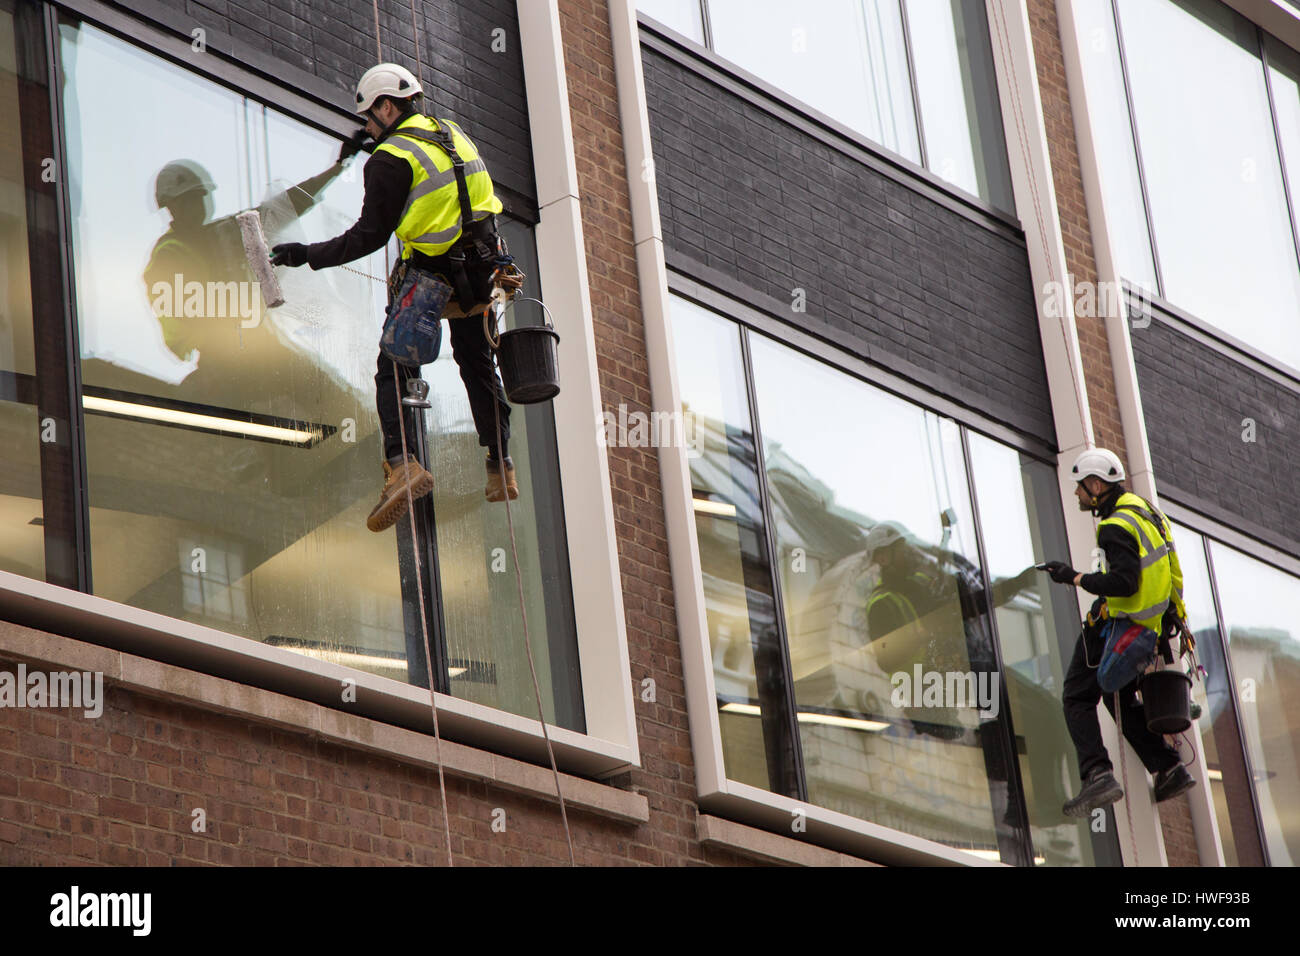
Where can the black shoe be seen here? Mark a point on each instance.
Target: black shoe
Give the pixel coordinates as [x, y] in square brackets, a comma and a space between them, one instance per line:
[1100, 790]
[1170, 783]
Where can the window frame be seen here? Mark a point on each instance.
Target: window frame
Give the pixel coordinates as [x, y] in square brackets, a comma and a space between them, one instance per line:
[750, 802]
[1209, 531]
[809, 118]
[663, 39]
[609, 745]
[1223, 336]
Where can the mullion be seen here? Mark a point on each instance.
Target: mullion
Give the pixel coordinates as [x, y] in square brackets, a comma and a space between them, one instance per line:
[1277, 139]
[64, 501]
[1137, 152]
[769, 529]
[1007, 737]
[911, 79]
[1232, 699]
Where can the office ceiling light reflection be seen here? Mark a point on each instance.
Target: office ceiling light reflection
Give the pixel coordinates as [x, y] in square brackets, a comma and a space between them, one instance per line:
[196, 420]
[996, 857]
[707, 506]
[211, 419]
[350, 656]
[808, 717]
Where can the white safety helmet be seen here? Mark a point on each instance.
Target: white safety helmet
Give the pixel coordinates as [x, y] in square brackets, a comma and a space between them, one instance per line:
[179, 177]
[386, 79]
[1100, 463]
[883, 534]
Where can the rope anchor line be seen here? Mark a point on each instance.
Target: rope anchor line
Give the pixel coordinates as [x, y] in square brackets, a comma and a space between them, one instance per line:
[499, 297]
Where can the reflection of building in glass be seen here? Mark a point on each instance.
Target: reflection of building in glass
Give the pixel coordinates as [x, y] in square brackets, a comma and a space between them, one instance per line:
[933, 771]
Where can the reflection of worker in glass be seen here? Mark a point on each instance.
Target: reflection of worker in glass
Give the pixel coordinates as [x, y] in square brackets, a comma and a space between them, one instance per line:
[906, 623]
[931, 608]
[915, 583]
[202, 290]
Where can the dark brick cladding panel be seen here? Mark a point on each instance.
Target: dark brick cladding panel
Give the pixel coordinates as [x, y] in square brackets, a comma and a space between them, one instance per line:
[334, 40]
[895, 275]
[1195, 399]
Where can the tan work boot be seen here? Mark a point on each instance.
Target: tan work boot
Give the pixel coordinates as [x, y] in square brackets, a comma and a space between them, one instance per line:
[494, 491]
[392, 500]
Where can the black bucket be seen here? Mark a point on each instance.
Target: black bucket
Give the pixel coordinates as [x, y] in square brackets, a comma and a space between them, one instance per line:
[1166, 698]
[530, 365]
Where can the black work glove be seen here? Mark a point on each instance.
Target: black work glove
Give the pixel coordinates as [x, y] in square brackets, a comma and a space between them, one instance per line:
[355, 144]
[289, 254]
[1060, 572]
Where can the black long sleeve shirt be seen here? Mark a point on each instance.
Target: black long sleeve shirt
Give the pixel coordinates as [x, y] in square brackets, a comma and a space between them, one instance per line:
[388, 183]
[1122, 558]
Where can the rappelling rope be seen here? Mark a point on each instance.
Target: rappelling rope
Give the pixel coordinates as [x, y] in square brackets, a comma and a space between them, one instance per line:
[1123, 772]
[499, 297]
[424, 627]
[419, 574]
[1123, 766]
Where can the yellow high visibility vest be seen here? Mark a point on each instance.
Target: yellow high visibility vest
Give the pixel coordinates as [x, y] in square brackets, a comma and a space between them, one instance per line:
[430, 222]
[1161, 578]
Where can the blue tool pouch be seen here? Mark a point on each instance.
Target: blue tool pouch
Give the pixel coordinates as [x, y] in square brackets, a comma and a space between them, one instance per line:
[1130, 648]
[413, 327]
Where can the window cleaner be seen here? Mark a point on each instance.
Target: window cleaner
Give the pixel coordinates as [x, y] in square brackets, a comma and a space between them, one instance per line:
[426, 183]
[1141, 590]
[440, 202]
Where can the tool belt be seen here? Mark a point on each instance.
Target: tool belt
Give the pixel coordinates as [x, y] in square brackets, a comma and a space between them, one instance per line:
[468, 265]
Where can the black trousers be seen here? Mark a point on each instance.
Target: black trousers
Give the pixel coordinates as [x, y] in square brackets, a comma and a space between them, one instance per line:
[1080, 700]
[473, 356]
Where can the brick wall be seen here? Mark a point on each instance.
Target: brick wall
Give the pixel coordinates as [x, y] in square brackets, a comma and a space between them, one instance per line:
[122, 789]
[889, 274]
[668, 777]
[1099, 379]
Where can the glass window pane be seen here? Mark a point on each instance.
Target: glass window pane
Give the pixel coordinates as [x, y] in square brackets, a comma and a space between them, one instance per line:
[1112, 136]
[881, 589]
[1261, 611]
[1229, 787]
[844, 58]
[957, 87]
[1221, 228]
[684, 16]
[748, 668]
[234, 451]
[485, 638]
[1038, 625]
[231, 449]
[22, 539]
[1284, 74]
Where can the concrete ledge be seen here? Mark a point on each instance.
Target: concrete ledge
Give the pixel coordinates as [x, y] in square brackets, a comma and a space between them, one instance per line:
[715, 831]
[218, 695]
[190, 650]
